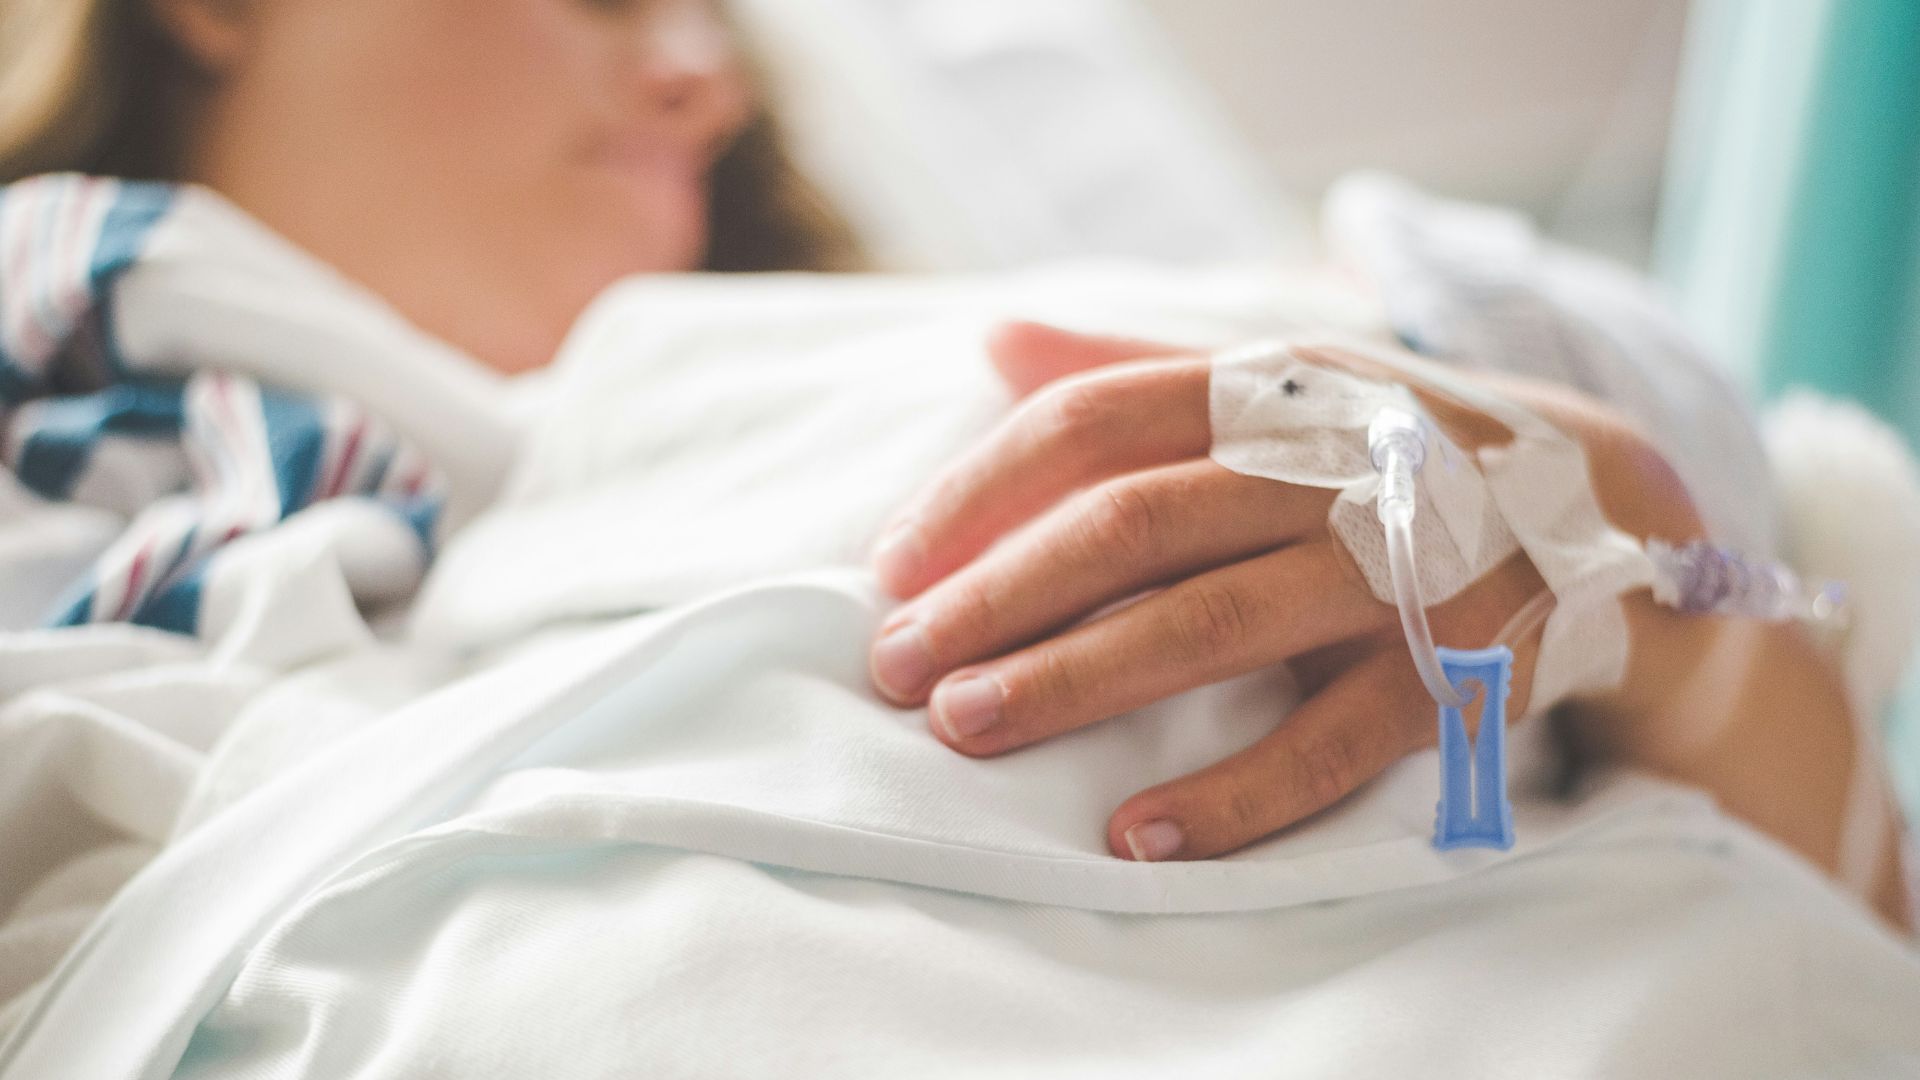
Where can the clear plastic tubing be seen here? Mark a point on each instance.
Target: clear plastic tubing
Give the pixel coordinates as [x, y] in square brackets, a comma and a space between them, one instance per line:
[1397, 446]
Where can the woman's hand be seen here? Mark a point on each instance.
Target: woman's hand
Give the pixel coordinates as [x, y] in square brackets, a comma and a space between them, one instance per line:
[1098, 488]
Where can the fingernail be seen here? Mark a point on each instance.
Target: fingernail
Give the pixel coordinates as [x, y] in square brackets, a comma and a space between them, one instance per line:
[1152, 841]
[902, 662]
[968, 705]
[897, 555]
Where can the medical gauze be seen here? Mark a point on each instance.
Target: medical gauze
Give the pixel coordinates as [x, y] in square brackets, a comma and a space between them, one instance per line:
[1274, 414]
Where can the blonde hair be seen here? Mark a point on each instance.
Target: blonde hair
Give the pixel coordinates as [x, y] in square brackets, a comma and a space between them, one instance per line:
[94, 86]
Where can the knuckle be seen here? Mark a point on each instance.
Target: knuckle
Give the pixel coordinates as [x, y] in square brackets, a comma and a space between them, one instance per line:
[1244, 814]
[1211, 620]
[1636, 484]
[1189, 491]
[1076, 411]
[1123, 523]
[973, 614]
[1328, 771]
[1050, 682]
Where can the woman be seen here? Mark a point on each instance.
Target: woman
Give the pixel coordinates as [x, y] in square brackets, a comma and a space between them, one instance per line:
[487, 169]
[487, 172]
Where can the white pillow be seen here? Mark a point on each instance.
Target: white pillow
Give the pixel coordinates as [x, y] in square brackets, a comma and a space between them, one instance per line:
[993, 133]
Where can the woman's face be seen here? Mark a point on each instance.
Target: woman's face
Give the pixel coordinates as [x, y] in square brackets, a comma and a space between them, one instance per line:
[485, 165]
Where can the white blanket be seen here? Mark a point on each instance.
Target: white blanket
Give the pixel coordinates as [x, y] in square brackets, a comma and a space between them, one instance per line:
[547, 833]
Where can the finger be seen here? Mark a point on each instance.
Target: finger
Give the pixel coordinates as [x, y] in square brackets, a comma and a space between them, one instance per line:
[1029, 355]
[1367, 718]
[1076, 432]
[1099, 547]
[1219, 624]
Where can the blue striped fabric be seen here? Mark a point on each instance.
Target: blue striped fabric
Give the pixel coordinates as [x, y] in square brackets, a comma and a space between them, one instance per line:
[63, 240]
[253, 455]
[55, 447]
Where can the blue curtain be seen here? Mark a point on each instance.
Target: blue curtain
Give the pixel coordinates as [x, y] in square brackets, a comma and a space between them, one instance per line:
[1790, 233]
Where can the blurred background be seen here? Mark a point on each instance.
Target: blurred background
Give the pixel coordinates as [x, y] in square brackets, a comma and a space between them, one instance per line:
[1562, 109]
[1759, 158]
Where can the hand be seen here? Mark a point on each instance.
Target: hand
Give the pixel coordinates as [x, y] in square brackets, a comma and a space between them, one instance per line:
[1098, 488]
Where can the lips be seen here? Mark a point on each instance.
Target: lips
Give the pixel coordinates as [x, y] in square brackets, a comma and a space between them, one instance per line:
[650, 193]
[656, 151]
[650, 159]
[660, 182]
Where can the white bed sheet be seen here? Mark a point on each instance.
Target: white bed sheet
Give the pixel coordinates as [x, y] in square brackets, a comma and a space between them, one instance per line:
[695, 845]
[693, 842]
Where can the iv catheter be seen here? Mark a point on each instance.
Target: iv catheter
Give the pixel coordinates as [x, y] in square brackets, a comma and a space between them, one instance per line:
[1474, 810]
[1277, 411]
[1696, 577]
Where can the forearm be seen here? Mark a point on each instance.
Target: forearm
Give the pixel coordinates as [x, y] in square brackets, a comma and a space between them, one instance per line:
[1752, 712]
[1757, 716]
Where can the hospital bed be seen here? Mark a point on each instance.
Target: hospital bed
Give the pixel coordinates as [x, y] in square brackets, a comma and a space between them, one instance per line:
[633, 806]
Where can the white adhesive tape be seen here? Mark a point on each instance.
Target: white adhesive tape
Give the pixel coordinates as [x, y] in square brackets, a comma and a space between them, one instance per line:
[1279, 416]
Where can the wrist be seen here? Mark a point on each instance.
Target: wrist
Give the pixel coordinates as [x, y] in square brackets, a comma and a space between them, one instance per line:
[1752, 712]
[1681, 696]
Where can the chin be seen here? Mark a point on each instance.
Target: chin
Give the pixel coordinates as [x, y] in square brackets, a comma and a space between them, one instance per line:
[655, 254]
[660, 227]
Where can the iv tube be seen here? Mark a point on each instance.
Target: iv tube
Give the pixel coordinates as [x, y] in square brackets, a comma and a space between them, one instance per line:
[1397, 445]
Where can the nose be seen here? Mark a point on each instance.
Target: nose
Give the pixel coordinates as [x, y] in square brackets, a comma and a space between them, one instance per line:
[688, 69]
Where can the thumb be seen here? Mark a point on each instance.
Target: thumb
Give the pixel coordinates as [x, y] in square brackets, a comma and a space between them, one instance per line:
[1030, 355]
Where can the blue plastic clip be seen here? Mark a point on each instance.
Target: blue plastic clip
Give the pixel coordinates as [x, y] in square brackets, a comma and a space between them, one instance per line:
[1473, 774]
